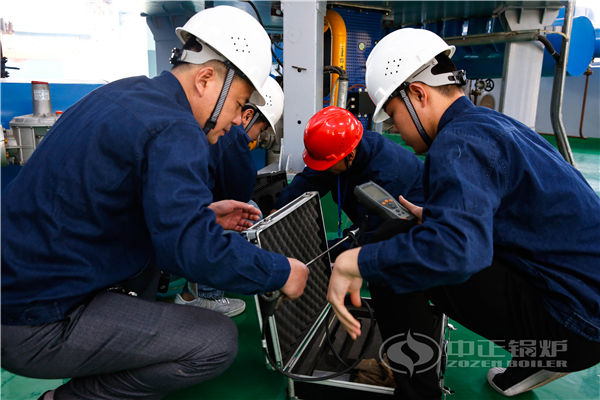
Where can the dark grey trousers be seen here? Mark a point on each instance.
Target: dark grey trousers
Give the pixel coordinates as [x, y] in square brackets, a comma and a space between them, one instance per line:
[122, 347]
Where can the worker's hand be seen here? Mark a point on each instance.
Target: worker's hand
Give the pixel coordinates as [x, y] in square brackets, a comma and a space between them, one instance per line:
[234, 215]
[294, 287]
[272, 211]
[415, 210]
[345, 278]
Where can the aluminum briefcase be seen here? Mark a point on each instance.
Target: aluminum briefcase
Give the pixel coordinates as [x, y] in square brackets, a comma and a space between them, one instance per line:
[303, 337]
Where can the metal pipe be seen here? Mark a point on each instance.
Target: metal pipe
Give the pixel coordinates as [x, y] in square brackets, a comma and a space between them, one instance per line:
[342, 97]
[503, 37]
[587, 81]
[342, 85]
[558, 87]
[549, 47]
[494, 38]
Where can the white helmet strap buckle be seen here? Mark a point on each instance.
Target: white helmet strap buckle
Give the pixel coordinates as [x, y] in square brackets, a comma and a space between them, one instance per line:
[425, 75]
[195, 57]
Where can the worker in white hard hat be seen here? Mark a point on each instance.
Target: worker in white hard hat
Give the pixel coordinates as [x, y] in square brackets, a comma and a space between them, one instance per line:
[257, 119]
[232, 175]
[507, 243]
[120, 184]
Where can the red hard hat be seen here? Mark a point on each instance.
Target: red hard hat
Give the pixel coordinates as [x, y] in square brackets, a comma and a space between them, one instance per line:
[329, 136]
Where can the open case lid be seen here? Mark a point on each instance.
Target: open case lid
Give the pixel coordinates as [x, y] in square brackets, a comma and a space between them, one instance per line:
[296, 230]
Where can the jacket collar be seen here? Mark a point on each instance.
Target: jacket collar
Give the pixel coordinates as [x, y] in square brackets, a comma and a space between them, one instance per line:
[169, 84]
[459, 106]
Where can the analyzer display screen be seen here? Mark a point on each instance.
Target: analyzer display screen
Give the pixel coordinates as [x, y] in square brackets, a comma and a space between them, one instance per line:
[374, 191]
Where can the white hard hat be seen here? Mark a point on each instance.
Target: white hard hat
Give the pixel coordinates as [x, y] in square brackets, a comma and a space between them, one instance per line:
[399, 57]
[238, 37]
[273, 107]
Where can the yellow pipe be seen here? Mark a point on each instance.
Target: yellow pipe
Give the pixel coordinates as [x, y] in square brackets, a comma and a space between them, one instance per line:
[335, 21]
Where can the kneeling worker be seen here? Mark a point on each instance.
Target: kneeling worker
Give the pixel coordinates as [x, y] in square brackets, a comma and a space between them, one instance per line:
[121, 183]
[232, 175]
[508, 244]
[339, 157]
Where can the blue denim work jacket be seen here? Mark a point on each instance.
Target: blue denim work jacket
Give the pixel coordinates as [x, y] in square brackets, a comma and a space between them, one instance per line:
[120, 181]
[231, 169]
[495, 188]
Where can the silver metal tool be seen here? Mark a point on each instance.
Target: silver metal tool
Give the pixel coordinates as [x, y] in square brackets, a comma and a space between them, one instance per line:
[351, 234]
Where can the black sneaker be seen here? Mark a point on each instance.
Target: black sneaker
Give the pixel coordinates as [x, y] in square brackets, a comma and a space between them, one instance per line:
[511, 387]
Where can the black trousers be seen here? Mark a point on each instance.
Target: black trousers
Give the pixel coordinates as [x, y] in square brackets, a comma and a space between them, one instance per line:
[497, 303]
[122, 347]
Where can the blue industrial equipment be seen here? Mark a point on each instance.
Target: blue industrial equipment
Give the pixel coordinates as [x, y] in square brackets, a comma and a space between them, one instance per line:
[597, 43]
[364, 29]
[581, 49]
[486, 61]
[452, 27]
[483, 61]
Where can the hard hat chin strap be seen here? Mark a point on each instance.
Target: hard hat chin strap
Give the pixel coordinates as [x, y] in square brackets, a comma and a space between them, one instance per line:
[212, 121]
[402, 91]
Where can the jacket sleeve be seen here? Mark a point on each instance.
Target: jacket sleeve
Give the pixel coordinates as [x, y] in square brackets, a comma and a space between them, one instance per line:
[455, 239]
[186, 238]
[306, 181]
[397, 170]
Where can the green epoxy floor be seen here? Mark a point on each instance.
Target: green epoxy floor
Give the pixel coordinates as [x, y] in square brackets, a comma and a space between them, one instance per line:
[249, 378]
[586, 153]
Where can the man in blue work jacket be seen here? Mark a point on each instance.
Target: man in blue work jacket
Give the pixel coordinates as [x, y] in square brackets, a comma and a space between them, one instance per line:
[339, 156]
[232, 175]
[120, 183]
[509, 233]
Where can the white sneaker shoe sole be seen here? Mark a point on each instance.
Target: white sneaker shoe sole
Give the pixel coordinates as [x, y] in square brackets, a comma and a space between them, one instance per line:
[533, 381]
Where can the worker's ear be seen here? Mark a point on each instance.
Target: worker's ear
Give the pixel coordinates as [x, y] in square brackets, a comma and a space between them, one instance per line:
[202, 78]
[351, 156]
[247, 116]
[419, 94]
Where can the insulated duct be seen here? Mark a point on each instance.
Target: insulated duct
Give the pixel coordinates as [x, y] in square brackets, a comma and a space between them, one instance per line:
[335, 21]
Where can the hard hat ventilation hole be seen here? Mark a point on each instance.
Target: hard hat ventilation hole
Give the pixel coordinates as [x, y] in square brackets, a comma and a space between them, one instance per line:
[240, 44]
